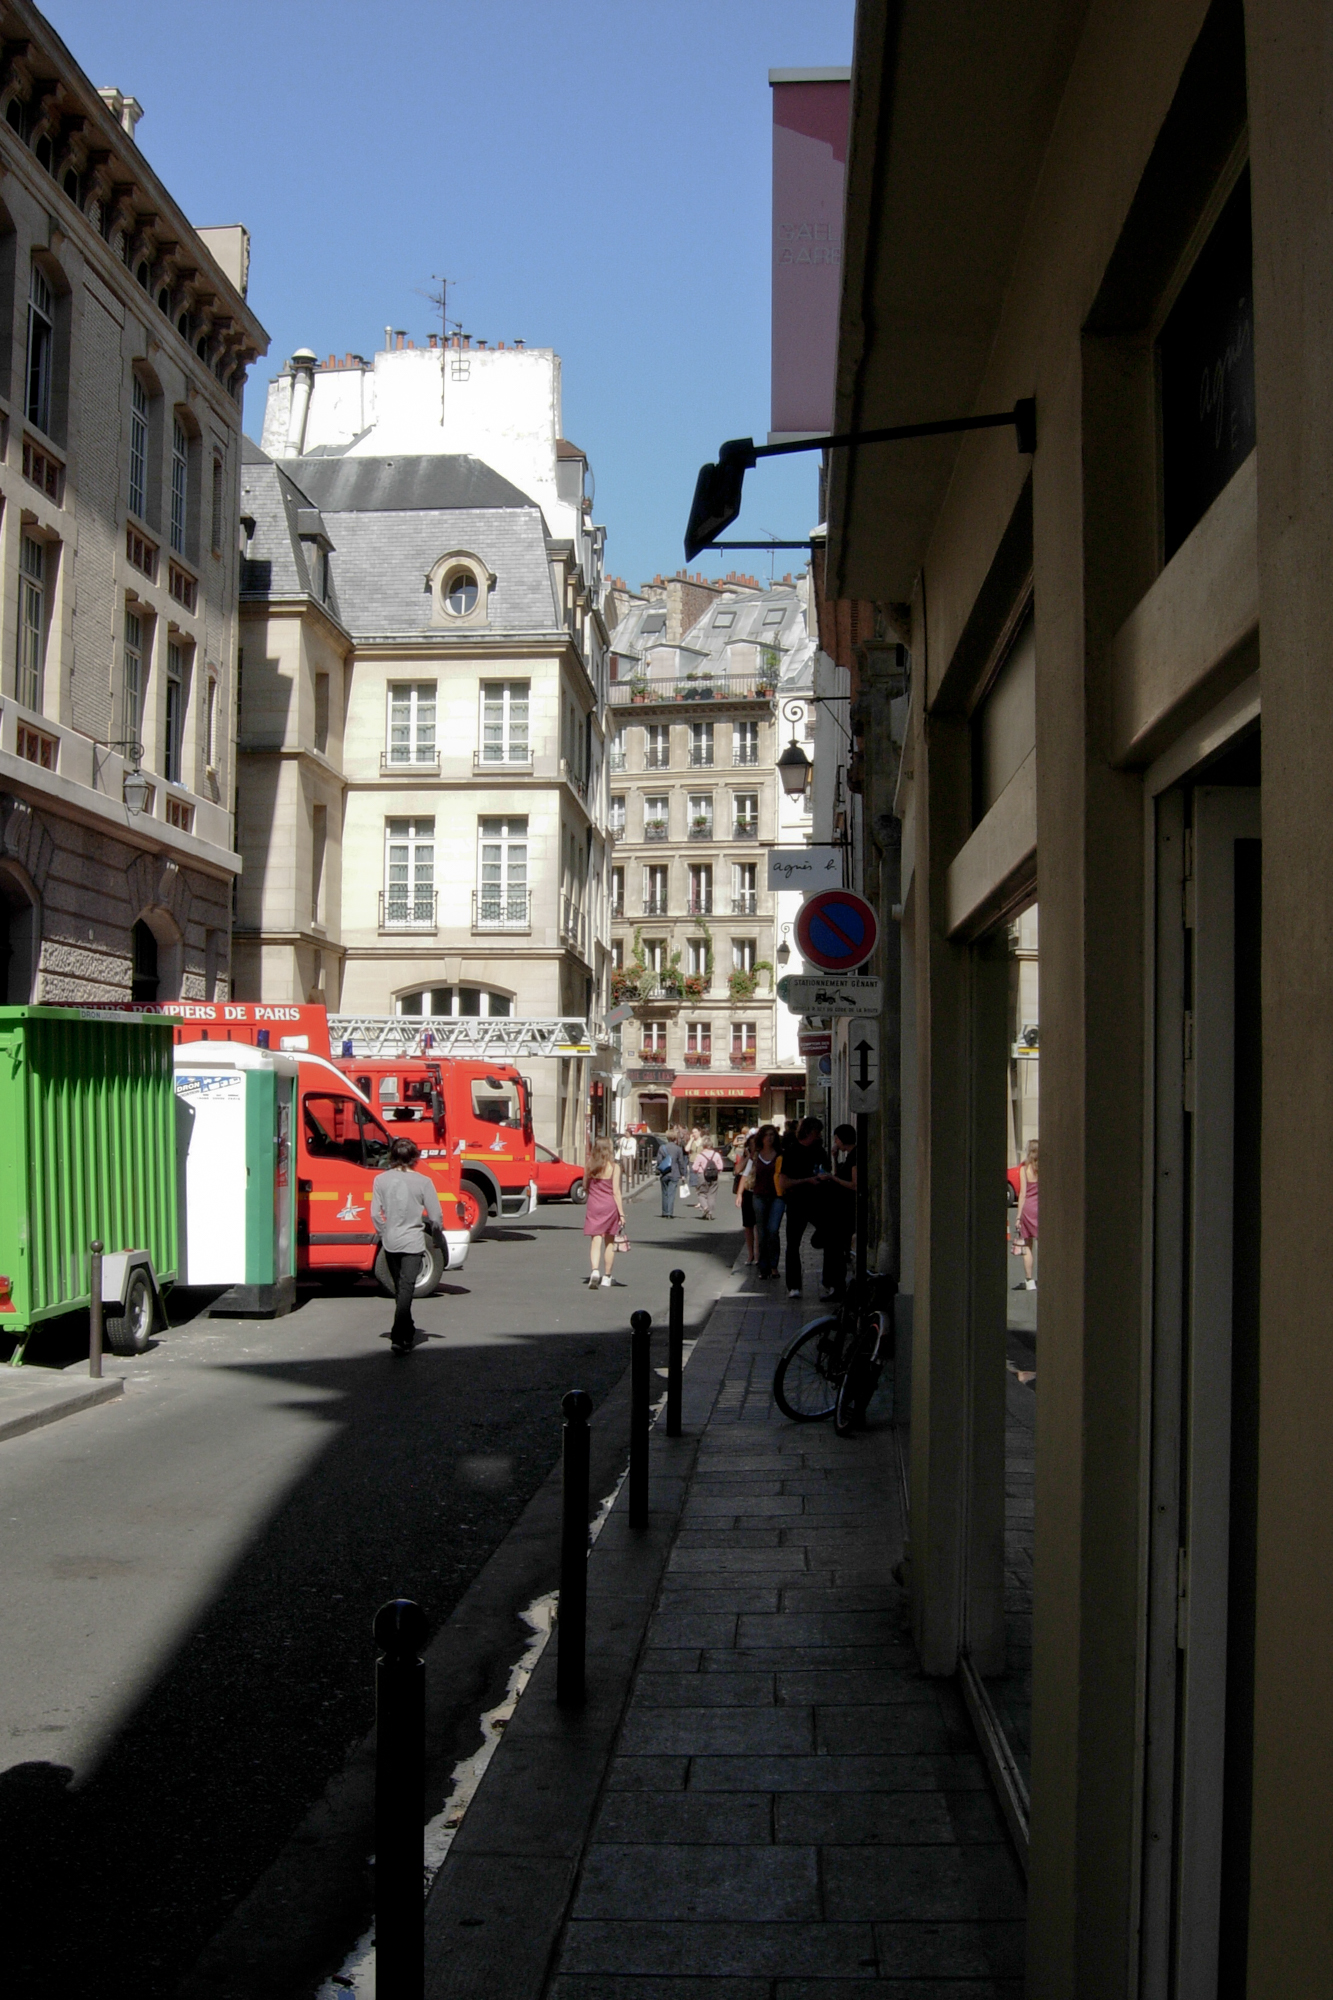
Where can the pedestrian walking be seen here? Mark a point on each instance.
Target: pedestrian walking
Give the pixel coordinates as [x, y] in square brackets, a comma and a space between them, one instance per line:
[768, 1205]
[742, 1187]
[837, 1221]
[399, 1199]
[605, 1214]
[627, 1152]
[711, 1166]
[692, 1146]
[671, 1168]
[800, 1178]
[1025, 1233]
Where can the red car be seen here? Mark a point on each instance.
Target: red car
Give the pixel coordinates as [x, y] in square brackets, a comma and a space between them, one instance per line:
[557, 1180]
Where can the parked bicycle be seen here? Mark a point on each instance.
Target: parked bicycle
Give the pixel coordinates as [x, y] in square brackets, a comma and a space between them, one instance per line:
[833, 1366]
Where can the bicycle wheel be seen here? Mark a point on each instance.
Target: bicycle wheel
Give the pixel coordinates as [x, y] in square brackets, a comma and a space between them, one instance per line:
[805, 1381]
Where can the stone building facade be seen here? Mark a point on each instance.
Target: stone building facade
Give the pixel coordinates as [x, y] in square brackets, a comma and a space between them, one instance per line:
[124, 344]
[698, 721]
[423, 684]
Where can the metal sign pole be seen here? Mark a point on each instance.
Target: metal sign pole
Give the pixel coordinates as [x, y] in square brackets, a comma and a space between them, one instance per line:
[862, 1193]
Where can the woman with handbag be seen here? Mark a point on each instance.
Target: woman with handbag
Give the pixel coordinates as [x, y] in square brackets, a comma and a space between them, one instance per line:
[604, 1218]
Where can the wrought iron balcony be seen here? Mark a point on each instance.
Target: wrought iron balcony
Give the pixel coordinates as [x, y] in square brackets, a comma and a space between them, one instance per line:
[700, 905]
[745, 829]
[501, 910]
[653, 691]
[655, 829]
[701, 829]
[655, 905]
[743, 903]
[409, 909]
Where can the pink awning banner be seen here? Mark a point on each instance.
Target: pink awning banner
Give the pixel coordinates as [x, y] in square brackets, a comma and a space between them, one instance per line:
[810, 117]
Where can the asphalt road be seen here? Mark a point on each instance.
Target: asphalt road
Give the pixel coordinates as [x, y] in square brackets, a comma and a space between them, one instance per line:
[190, 1574]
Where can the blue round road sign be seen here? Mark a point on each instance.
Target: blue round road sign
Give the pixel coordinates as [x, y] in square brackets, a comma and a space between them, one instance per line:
[836, 930]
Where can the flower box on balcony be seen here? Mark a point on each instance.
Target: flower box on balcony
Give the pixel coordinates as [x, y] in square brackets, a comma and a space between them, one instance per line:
[698, 1058]
[696, 985]
[742, 1058]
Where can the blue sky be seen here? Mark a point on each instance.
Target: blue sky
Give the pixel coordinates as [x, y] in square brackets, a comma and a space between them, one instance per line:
[592, 178]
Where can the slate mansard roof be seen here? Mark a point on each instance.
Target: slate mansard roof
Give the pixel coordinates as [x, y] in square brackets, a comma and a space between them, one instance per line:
[387, 521]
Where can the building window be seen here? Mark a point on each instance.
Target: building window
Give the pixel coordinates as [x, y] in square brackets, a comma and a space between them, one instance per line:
[656, 808]
[409, 872]
[617, 892]
[657, 746]
[745, 815]
[175, 731]
[180, 474]
[460, 593]
[616, 820]
[32, 621]
[504, 722]
[701, 743]
[138, 448]
[701, 890]
[445, 1003]
[654, 954]
[723, 620]
[41, 350]
[701, 815]
[655, 891]
[742, 1040]
[215, 538]
[654, 1039]
[618, 954]
[745, 742]
[774, 617]
[502, 870]
[698, 1037]
[743, 890]
[412, 722]
[742, 954]
[210, 724]
[616, 751]
[696, 957]
[134, 676]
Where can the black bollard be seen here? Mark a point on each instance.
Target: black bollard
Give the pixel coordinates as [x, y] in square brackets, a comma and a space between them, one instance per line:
[572, 1619]
[95, 1309]
[400, 1800]
[675, 1352]
[640, 1346]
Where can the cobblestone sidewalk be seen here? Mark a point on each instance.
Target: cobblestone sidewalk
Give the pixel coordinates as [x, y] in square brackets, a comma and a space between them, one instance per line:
[792, 1807]
[764, 1798]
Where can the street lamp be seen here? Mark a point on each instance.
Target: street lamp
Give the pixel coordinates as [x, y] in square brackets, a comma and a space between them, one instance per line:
[136, 790]
[794, 770]
[719, 489]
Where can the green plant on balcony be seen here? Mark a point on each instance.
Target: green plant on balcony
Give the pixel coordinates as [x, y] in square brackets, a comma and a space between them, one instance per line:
[638, 687]
[624, 985]
[742, 985]
[696, 985]
[770, 663]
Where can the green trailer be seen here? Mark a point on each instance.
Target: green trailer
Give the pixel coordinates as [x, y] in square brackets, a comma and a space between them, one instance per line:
[87, 1151]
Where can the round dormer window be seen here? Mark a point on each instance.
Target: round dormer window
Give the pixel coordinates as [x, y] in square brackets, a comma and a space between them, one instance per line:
[460, 593]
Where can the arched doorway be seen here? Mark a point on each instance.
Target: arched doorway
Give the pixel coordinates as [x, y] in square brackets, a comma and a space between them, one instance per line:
[156, 958]
[144, 977]
[19, 941]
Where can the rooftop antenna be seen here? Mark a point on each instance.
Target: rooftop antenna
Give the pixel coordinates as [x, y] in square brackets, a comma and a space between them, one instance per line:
[440, 300]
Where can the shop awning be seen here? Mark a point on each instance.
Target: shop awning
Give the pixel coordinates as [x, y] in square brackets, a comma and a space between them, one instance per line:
[718, 1086]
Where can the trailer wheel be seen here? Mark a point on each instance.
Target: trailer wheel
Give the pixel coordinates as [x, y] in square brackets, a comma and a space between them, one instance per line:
[432, 1270]
[130, 1332]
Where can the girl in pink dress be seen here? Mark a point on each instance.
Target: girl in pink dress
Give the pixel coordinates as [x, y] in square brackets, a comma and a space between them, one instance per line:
[1027, 1211]
[604, 1216]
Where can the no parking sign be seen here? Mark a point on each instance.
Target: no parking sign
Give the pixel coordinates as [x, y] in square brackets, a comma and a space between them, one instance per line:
[836, 930]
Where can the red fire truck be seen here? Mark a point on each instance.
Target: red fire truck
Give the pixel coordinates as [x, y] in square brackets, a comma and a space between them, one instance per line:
[478, 1114]
[341, 1144]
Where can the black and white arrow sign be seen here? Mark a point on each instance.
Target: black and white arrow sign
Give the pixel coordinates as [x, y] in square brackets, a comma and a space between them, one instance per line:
[863, 1071]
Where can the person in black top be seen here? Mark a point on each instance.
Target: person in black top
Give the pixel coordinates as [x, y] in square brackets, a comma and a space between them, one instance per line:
[801, 1178]
[837, 1221]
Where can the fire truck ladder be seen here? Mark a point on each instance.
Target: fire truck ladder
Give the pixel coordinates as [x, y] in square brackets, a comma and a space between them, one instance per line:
[500, 1038]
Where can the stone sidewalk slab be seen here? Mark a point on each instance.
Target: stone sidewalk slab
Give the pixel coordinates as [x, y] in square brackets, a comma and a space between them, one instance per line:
[764, 1799]
[30, 1398]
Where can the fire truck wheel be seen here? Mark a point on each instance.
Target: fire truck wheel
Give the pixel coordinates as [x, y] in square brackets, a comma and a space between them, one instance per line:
[432, 1270]
[130, 1332]
[474, 1202]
